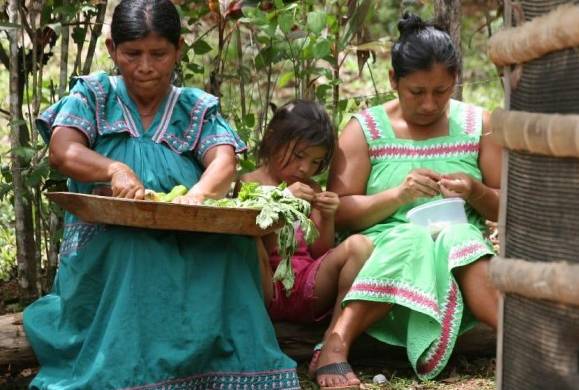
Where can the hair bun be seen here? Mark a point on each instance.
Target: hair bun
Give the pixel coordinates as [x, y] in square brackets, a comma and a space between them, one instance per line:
[410, 23]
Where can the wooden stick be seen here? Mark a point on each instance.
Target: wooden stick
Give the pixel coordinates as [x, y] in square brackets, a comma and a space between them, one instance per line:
[552, 281]
[554, 31]
[548, 134]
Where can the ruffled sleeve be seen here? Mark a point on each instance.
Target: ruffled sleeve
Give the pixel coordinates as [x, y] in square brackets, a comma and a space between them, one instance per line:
[197, 126]
[77, 110]
[216, 131]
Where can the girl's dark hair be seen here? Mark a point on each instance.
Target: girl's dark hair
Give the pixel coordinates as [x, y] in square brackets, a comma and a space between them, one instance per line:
[135, 19]
[420, 46]
[301, 121]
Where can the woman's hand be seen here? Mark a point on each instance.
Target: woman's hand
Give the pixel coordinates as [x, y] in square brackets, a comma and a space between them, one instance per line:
[326, 202]
[193, 197]
[457, 185]
[420, 183]
[125, 183]
[302, 191]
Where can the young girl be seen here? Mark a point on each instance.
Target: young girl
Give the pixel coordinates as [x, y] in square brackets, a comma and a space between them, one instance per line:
[299, 143]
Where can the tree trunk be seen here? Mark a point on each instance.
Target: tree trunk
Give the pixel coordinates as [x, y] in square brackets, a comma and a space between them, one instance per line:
[448, 15]
[64, 48]
[25, 243]
[95, 34]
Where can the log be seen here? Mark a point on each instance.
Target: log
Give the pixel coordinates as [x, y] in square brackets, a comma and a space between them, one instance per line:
[553, 281]
[14, 347]
[295, 339]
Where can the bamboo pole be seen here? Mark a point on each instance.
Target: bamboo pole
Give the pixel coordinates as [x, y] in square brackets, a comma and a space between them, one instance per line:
[547, 134]
[554, 31]
[552, 281]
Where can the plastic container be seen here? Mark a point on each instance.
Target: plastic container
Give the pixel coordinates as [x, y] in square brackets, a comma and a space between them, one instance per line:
[438, 214]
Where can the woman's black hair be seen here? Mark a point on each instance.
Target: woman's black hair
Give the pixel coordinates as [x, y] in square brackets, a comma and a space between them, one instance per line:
[135, 19]
[421, 45]
[301, 121]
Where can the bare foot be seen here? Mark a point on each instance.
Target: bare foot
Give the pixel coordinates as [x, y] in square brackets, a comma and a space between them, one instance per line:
[330, 374]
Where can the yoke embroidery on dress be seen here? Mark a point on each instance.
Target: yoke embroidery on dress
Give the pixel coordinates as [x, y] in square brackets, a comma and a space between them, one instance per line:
[419, 152]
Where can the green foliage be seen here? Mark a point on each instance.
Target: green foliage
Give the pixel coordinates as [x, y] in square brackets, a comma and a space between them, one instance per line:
[275, 204]
[269, 52]
[7, 241]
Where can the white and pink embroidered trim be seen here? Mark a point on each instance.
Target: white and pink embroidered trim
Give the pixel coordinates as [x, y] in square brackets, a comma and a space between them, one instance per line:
[414, 151]
[470, 120]
[371, 124]
[440, 350]
[465, 252]
[395, 291]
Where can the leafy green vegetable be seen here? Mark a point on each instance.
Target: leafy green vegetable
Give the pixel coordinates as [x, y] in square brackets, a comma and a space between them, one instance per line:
[175, 192]
[276, 204]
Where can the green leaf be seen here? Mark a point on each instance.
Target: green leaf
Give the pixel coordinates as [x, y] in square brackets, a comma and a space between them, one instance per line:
[322, 48]
[322, 91]
[195, 68]
[285, 22]
[249, 120]
[201, 47]
[316, 21]
[285, 78]
[27, 153]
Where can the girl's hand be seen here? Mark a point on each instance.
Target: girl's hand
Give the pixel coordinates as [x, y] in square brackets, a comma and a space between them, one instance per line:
[302, 191]
[420, 183]
[326, 202]
[456, 185]
[125, 183]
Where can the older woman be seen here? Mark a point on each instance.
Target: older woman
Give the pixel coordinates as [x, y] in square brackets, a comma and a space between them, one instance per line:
[140, 308]
[415, 291]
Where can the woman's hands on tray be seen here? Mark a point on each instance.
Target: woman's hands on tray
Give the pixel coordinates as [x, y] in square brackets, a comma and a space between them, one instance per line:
[125, 183]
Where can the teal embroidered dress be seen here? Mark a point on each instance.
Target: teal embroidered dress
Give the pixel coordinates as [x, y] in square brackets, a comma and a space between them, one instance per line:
[409, 268]
[147, 309]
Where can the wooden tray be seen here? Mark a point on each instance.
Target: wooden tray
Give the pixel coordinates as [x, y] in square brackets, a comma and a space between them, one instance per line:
[159, 215]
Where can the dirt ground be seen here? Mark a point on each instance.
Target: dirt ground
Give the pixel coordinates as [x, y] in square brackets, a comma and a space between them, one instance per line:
[461, 374]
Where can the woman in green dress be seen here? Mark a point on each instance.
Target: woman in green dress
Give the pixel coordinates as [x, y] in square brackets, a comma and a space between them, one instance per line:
[141, 308]
[415, 291]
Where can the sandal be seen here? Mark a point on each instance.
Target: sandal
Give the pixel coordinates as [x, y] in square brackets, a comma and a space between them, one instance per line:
[340, 368]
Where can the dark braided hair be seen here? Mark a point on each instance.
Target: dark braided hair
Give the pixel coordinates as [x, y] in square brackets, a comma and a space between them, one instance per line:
[135, 19]
[421, 45]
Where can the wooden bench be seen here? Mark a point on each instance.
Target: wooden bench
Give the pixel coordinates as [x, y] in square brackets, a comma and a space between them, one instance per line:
[295, 339]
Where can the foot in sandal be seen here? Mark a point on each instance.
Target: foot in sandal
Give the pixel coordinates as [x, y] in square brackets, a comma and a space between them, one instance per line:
[333, 370]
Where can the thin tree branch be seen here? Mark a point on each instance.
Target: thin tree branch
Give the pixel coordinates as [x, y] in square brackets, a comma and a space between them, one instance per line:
[95, 34]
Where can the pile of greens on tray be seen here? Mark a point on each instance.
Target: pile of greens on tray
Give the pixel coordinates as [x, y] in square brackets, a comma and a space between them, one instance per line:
[275, 204]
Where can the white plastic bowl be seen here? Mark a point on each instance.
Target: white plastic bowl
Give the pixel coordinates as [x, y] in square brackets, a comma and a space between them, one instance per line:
[438, 214]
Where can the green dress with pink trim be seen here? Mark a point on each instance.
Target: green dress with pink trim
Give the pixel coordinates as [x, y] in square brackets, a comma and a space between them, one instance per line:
[408, 267]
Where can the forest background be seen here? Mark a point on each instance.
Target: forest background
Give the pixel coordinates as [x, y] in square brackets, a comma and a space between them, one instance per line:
[254, 55]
